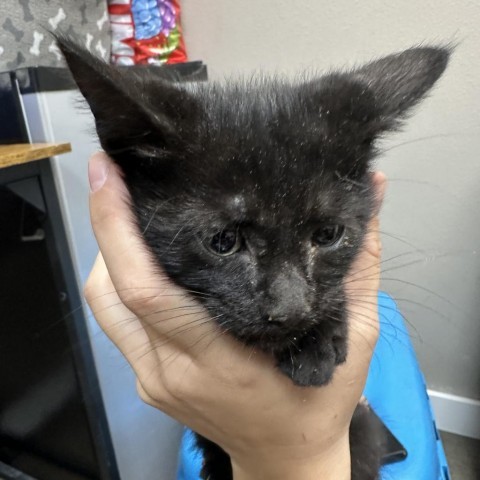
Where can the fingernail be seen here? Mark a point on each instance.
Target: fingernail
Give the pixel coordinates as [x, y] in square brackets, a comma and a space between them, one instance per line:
[98, 167]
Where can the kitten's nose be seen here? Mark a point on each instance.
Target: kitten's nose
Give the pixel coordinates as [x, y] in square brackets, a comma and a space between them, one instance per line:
[288, 300]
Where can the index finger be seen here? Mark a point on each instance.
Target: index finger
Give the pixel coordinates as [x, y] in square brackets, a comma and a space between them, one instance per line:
[363, 282]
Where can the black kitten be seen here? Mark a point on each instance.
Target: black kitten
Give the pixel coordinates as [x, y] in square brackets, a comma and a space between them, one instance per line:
[258, 194]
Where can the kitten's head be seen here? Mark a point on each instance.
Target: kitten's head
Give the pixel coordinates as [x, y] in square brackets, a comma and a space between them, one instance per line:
[256, 193]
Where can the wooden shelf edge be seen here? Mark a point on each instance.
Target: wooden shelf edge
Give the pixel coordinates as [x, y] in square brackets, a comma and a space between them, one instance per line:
[28, 152]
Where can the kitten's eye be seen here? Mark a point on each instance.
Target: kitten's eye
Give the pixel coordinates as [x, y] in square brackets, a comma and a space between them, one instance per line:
[328, 235]
[225, 243]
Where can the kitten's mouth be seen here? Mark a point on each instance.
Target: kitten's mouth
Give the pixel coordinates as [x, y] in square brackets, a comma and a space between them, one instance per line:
[275, 336]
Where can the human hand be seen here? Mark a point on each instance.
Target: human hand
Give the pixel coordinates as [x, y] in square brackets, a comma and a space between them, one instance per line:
[227, 392]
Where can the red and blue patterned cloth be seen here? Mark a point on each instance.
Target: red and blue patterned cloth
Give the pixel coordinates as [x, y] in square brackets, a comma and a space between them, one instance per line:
[146, 32]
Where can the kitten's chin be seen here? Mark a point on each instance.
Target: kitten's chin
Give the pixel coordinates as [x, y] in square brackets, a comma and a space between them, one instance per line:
[272, 339]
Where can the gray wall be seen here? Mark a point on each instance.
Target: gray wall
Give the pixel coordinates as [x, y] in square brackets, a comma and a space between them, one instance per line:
[432, 210]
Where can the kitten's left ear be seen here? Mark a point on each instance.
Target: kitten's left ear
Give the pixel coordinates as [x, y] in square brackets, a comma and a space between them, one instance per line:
[357, 106]
[364, 102]
[398, 82]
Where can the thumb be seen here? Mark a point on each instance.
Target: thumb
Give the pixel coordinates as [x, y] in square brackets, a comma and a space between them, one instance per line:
[127, 259]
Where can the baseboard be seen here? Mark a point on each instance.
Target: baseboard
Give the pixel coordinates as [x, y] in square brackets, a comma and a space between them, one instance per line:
[456, 414]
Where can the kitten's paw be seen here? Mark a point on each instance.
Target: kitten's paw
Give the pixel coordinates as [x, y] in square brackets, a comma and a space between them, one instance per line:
[340, 346]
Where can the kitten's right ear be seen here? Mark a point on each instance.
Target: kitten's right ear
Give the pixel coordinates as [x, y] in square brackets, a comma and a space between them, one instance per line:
[139, 118]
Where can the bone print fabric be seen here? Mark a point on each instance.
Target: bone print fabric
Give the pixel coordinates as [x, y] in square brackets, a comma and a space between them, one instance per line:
[24, 43]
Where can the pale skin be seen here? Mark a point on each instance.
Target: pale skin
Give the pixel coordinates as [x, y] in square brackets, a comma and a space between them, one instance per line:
[219, 388]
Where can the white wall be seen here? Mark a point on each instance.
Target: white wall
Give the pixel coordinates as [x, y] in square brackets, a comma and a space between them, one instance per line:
[433, 203]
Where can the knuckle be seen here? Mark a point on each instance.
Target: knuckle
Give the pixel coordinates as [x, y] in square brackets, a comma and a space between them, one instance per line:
[90, 289]
[145, 298]
[178, 386]
[144, 396]
[141, 301]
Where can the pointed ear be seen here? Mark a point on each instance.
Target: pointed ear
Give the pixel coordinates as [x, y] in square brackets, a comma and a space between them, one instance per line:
[380, 92]
[348, 110]
[139, 117]
[398, 82]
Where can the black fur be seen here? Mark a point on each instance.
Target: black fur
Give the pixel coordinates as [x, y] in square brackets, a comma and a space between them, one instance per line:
[274, 161]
